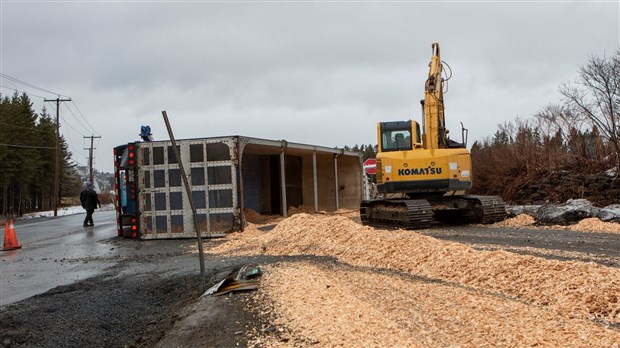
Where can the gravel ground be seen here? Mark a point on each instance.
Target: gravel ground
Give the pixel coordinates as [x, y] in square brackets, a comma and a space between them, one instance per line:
[74, 316]
[134, 304]
[98, 312]
[146, 300]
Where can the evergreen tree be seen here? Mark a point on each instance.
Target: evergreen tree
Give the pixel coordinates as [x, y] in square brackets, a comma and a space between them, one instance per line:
[369, 152]
[10, 161]
[70, 183]
[27, 155]
[44, 185]
[7, 171]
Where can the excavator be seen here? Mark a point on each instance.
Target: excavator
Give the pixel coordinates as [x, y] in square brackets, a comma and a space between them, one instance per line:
[422, 175]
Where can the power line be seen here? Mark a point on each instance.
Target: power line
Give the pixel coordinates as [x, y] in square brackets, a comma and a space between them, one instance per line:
[70, 142]
[70, 126]
[29, 147]
[65, 121]
[85, 120]
[16, 80]
[78, 163]
[76, 152]
[16, 90]
[27, 128]
[30, 85]
[77, 119]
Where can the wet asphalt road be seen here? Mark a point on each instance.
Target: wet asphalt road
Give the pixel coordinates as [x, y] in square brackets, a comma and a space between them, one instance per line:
[56, 251]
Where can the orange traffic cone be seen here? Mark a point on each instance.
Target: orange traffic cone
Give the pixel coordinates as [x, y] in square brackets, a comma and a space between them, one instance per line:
[10, 239]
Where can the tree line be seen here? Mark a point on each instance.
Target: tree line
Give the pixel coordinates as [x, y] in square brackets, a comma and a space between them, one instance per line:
[367, 151]
[578, 135]
[27, 158]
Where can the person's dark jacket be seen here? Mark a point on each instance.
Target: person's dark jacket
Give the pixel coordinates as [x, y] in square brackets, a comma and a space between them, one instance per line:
[89, 199]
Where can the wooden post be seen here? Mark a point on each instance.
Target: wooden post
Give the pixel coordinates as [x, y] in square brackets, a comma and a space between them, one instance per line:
[188, 190]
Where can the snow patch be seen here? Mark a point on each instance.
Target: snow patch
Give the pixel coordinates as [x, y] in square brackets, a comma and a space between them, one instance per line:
[63, 211]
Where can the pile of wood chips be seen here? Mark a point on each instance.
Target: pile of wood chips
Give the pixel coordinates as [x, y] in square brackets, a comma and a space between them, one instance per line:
[352, 307]
[253, 217]
[301, 209]
[585, 225]
[595, 225]
[486, 294]
[520, 220]
[347, 213]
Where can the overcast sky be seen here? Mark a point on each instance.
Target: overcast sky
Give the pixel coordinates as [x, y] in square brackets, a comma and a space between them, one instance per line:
[321, 73]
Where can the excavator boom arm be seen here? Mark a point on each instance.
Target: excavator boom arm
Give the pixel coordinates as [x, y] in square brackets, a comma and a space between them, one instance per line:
[435, 134]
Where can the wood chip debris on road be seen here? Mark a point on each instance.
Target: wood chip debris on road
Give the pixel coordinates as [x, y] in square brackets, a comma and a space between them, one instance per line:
[424, 291]
[355, 308]
[585, 225]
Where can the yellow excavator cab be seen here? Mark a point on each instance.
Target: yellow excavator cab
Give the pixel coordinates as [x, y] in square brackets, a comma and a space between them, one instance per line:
[407, 167]
[399, 136]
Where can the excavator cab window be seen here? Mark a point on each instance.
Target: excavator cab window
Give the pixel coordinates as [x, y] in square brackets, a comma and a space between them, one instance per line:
[397, 140]
[396, 136]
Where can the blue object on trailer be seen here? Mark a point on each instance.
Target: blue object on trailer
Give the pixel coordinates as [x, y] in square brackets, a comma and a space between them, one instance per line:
[145, 133]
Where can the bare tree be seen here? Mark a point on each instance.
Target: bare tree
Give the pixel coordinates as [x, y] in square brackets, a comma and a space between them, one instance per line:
[559, 119]
[595, 95]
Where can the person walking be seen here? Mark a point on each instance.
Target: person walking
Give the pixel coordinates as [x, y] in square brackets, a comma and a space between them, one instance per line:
[90, 202]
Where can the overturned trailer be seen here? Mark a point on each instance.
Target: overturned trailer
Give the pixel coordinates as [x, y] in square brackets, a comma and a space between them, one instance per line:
[228, 176]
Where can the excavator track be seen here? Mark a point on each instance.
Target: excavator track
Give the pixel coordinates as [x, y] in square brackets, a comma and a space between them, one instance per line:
[409, 214]
[490, 209]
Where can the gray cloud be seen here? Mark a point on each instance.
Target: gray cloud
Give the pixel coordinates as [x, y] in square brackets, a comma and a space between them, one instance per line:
[320, 73]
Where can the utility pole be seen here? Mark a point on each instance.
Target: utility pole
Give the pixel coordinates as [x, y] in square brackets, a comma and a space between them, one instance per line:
[57, 169]
[90, 157]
